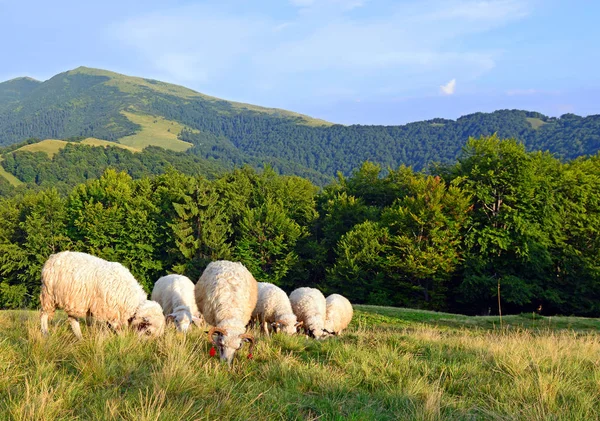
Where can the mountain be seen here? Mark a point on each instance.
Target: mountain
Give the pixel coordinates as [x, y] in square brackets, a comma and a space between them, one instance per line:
[142, 113]
[12, 91]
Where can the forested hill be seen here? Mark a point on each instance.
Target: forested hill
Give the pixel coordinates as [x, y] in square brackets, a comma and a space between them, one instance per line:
[137, 112]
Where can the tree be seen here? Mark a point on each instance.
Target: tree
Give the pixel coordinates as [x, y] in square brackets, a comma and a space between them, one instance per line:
[508, 240]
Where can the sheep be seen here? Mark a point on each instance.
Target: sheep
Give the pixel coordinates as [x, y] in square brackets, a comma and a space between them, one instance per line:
[338, 314]
[310, 308]
[273, 308]
[175, 294]
[87, 286]
[226, 295]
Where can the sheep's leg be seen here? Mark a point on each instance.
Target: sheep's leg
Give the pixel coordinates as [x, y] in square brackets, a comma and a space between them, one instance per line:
[75, 326]
[265, 327]
[46, 314]
[89, 319]
[44, 321]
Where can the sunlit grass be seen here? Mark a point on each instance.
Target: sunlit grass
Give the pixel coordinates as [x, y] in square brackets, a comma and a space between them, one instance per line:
[156, 131]
[398, 364]
[11, 178]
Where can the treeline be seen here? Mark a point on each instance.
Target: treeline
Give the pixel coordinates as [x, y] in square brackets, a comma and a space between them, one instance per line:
[221, 132]
[89, 103]
[499, 220]
[77, 163]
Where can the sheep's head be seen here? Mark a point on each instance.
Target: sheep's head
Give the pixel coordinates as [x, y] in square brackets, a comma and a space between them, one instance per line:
[149, 319]
[228, 342]
[318, 334]
[182, 320]
[287, 325]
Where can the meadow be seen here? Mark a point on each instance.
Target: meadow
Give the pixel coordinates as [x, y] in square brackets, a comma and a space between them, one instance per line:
[155, 131]
[391, 364]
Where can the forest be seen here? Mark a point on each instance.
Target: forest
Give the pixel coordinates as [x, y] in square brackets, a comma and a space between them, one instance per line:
[95, 103]
[499, 221]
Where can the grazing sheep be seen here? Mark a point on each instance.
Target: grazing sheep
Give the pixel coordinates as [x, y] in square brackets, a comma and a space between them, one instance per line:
[310, 308]
[273, 309]
[175, 294]
[226, 295]
[338, 315]
[87, 286]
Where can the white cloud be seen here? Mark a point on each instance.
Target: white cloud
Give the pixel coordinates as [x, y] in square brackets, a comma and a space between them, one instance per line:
[338, 52]
[282, 26]
[448, 88]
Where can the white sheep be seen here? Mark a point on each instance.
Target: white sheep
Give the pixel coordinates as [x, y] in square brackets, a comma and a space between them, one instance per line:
[87, 286]
[338, 314]
[310, 308]
[273, 309]
[175, 294]
[226, 295]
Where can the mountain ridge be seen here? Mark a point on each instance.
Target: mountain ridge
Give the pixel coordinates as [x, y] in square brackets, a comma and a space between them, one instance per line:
[95, 103]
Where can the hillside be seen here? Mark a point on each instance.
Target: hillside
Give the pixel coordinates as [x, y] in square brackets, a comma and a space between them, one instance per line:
[142, 112]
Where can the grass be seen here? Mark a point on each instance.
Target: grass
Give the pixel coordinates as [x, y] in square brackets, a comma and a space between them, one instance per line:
[138, 85]
[156, 131]
[11, 178]
[92, 141]
[391, 364]
[536, 123]
[49, 146]
[52, 146]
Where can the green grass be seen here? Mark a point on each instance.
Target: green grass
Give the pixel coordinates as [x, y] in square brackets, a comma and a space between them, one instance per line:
[92, 141]
[11, 178]
[48, 146]
[138, 85]
[52, 146]
[536, 123]
[156, 131]
[391, 364]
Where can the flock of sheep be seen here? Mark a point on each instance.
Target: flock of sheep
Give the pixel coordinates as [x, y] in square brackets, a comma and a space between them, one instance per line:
[226, 297]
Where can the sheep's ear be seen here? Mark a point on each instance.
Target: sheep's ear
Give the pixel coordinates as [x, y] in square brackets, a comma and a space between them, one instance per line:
[170, 318]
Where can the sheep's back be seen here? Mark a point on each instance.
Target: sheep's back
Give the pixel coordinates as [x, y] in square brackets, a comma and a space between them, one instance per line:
[173, 291]
[272, 302]
[309, 305]
[226, 290]
[339, 313]
[81, 283]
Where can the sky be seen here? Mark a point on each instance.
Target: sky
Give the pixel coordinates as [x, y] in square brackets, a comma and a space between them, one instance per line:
[346, 61]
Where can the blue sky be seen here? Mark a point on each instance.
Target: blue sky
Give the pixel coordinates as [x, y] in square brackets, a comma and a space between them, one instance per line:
[347, 61]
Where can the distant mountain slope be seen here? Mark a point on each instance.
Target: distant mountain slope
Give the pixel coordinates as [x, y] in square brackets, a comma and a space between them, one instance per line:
[14, 90]
[142, 112]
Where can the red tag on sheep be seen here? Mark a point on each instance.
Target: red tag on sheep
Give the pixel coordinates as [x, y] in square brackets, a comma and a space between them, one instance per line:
[250, 356]
[212, 352]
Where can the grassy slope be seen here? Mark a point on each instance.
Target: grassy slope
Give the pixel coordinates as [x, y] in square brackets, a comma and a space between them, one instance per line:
[536, 123]
[156, 131]
[391, 364]
[52, 146]
[11, 178]
[138, 85]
